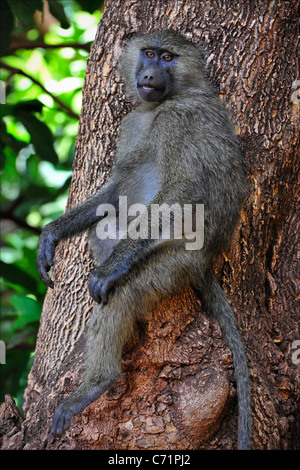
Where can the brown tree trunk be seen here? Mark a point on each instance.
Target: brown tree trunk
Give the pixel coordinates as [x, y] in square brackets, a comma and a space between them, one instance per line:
[178, 390]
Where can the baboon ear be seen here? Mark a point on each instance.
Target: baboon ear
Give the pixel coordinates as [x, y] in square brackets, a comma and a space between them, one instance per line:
[127, 64]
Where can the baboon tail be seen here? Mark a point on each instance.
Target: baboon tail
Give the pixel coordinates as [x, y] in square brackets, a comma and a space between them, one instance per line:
[215, 302]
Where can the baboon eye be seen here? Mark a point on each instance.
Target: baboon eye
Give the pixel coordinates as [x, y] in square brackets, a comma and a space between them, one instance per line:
[149, 54]
[167, 57]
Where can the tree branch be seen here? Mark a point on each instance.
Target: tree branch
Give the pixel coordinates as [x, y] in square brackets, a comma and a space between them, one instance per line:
[57, 100]
[18, 221]
[33, 44]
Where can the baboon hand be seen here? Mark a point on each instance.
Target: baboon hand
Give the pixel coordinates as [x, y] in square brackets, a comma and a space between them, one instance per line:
[46, 251]
[61, 420]
[100, 285]
[63, 415]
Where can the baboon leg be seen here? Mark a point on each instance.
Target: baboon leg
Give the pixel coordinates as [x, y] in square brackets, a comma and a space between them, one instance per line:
[110, 327]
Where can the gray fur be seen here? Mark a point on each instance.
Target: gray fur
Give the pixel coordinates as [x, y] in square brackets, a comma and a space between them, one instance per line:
[181, 149]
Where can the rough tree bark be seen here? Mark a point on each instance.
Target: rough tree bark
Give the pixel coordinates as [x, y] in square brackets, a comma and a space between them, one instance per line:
[177, 391]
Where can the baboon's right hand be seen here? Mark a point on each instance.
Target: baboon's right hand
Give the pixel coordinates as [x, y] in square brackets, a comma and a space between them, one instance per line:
[46, 251]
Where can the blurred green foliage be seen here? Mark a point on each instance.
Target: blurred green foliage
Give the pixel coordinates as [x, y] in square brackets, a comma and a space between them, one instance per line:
[41, 100]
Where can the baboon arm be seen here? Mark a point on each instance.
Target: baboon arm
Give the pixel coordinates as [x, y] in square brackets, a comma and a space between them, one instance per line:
[72, 222]
[84, 215]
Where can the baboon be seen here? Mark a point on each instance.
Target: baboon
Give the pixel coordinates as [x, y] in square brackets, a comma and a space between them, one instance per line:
[178, 147]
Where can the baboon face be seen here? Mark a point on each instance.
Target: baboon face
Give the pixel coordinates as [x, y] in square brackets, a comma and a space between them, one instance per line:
[155, 74]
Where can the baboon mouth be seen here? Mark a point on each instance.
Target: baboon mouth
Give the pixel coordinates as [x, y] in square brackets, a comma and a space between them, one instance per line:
[146, 87]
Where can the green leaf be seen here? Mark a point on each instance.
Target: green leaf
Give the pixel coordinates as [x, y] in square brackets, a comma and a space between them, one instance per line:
[25, 9]
[91, 5]
[6, 109]
[2, 159]
[16, 361]
[15, 275]
[29, 310]
[10, 140]
[30, 106]
[6, 26]
[32, 168]
[57, 10]
[29, 254]
[41, 136]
